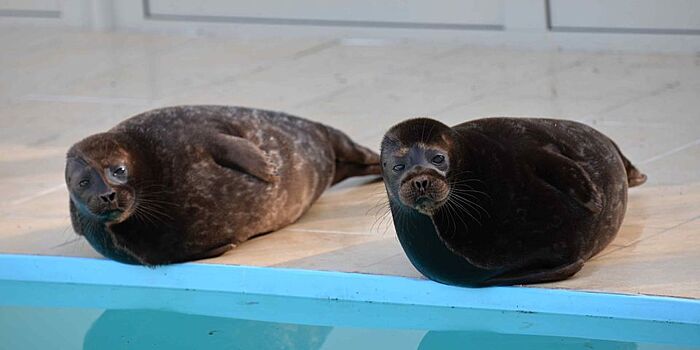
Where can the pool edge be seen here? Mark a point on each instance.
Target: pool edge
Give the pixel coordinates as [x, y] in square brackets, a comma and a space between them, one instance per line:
[357, 287]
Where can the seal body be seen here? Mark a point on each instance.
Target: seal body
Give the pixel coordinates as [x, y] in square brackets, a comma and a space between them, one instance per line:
[501, 201]
[190, 182]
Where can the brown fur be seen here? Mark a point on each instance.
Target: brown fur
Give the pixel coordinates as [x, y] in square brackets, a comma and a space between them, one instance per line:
[529, 200]
[204, 178]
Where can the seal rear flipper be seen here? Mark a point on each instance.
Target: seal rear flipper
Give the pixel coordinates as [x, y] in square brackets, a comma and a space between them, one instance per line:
[351, 159]
[634, 176]
[535, 276]
[576, 183]
[242, 155]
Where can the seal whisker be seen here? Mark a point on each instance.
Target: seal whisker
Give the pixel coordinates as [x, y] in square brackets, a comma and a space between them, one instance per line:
[141, 216]
[464, 202]
[455, 213]
[466, 181]
[380, 204]
[448, 211]
[466, 193]
[156, 203]
[462, 190]
[380, 220]
[466, 210]
[471, 204]
[156, 213]
[452, 174]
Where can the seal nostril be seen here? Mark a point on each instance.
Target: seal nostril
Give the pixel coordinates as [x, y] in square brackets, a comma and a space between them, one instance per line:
[416, 185]
[420, 185]
[108, 197]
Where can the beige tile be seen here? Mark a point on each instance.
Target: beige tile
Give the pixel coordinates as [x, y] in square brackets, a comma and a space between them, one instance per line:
[288, 245]
[660, 265]
[60, 61]
[379, 257]
[680, 167]
[362, 209]
[188, 67]
[58, 86]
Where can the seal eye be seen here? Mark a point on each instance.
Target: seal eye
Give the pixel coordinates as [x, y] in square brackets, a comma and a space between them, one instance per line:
[118, 174]
[119, 171]
[399, 167]
[438, 159]
[83, 183]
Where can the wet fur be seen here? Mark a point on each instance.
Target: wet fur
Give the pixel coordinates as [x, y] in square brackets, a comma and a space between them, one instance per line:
[530, 199]
[195, 200]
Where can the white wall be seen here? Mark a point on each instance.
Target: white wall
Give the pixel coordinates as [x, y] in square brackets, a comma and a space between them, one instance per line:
[640, 25]
[633, 16]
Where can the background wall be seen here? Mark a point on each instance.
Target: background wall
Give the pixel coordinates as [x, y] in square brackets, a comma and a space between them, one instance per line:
[641, 25]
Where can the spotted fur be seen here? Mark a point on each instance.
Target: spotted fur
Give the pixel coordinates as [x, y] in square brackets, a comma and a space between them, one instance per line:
[215, 176]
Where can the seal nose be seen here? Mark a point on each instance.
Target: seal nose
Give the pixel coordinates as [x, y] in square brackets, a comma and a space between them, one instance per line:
[421, 184]
[108, 197]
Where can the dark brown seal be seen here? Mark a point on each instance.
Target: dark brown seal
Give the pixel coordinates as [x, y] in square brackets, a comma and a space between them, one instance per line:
[501, 201]
[190, 182]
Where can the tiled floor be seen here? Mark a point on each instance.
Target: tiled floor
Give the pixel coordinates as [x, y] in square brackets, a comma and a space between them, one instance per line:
[59, 86]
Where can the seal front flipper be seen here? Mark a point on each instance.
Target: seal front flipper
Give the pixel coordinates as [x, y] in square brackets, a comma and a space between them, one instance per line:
[211, 253]
[567, 176]
[242, 155]
[535, 276]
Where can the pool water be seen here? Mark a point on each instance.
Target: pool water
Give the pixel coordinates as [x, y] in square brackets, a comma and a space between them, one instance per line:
[73, 316]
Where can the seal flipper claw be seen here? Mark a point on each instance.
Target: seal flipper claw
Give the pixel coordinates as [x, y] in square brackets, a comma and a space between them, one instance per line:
[578, 184]
[242, 155]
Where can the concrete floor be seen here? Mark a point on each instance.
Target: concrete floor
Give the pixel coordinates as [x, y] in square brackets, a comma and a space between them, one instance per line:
[58, 86]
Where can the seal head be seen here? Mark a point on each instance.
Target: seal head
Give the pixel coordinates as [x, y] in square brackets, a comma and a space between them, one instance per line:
[417, 163]
[100, 173]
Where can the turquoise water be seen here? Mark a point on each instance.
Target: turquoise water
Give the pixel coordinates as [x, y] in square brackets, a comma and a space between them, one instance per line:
[70, 316]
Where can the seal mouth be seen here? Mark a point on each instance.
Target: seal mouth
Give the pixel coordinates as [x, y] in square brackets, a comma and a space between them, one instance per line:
[427, 205]
[425, 193]
[111, 214]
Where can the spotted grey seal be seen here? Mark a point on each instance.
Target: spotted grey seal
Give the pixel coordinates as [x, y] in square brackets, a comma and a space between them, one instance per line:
[502, 201]
[190, 182]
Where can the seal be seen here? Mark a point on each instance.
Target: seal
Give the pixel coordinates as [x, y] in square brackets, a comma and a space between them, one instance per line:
[190, 182]
[502, 201]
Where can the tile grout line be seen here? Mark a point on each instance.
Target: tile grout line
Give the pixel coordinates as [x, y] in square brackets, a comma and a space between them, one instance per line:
[262, 67]
[322, 98]
[128, 62]
[85, 99]
[651, 93]
[519, 82]
[37, 195]
[670, 152]
[329, 231]
[650, 236]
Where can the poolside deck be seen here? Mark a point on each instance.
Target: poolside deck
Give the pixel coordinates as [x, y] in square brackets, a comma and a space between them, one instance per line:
[58, 86]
